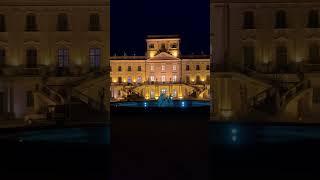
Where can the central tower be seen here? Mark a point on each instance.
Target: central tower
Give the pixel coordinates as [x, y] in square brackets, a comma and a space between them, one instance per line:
[163, 43]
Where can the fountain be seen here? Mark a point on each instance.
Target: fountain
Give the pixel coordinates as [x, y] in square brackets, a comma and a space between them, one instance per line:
[165, 101]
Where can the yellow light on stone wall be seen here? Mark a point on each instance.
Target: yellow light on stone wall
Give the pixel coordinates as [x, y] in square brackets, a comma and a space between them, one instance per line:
[180, 97]
[157, 97]
[175, 53]
[192, 80]
[114, 80]
[227, 113]
[134, 81]
[202, 80]
[152, 54]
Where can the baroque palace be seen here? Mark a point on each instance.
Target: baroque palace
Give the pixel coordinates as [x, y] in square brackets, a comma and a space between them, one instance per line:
[266, 59]
[53, 58]
[163, 70]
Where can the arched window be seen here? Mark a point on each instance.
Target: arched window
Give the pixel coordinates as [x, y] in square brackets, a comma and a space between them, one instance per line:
[94, 24]
[32, 57]
[63, 57]
[281, 20]
[2, 56]
[314, 55]
[63, 22]
[31, 22]
[2, 23]
[248, 20]
[313, 19]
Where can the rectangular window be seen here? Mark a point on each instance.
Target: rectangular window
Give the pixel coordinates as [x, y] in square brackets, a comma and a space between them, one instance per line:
[174, 68]
[94, 24]
[119, 79]
[2, 23]
[316, 95]
[119, 68]
[139, 68]
[129, 68]
[32, 58]
[163, 68]
[198, 67]
[2, 57]
[63, 57]
[95, 57]
[163, 78]
[187, 68]
[249, 57]
[152, 78]
[139, 80]
[152, 67]
[31, 23]
[248, 20]
[208, 67]
[2, 109]
[30, 99]
[129, 79]
[63, 22]
[174, 78]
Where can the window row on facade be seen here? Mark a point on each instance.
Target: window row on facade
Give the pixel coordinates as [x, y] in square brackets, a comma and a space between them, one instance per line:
[280, 20]
[62, 20]
[281, 56]
[163, 79]
[163, 68]
[62, 54]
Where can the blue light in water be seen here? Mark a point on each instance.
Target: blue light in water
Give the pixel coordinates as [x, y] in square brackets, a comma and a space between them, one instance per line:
[234, 131]
[145, 104]
[234, 138]
[183, 104]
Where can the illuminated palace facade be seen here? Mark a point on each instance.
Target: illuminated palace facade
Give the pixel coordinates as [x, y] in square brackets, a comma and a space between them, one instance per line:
[266, 58]
[51, 50]
[163, 70]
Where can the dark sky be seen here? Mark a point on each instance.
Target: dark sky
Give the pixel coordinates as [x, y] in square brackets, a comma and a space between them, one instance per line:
[133, 20]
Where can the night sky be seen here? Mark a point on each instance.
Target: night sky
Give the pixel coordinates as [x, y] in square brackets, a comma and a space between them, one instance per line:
[133, 20]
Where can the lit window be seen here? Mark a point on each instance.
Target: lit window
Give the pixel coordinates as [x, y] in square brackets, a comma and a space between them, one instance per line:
[152, 78]
[174, 94]
[152, 67]
[30, 99]
[94, 24]
[139, 79]
[63, 57]
[129, 79]
[163, 78]
[163, 68]
[174, 68]
[139, 68]
[174, 78]
[95, 57]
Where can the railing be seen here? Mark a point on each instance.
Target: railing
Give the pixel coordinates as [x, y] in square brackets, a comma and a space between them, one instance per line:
[286, 97]
[311, 67]
[88, 100]
[260, 98]
[53, 95]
